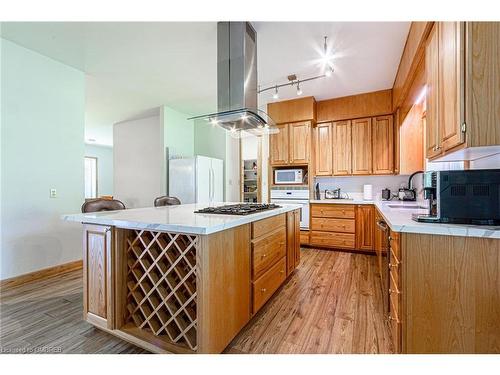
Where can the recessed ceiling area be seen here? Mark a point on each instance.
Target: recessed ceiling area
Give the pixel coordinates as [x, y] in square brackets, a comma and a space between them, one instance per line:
[131, 66]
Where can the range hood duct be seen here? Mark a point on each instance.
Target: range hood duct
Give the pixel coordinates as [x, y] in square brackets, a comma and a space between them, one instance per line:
[237, 82]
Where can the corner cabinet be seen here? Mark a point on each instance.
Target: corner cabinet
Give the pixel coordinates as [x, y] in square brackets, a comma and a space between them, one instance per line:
[97, 271]
[291, 145]
[463, 89]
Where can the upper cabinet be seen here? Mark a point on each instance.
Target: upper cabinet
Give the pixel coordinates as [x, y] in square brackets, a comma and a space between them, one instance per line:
[342, 149]
[278, 146]
[323, 147]
[383, 145]
[463, 90]
[292, 145]
[362, 146]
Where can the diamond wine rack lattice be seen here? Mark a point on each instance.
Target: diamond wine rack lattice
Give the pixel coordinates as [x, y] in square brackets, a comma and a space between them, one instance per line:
[161, 284]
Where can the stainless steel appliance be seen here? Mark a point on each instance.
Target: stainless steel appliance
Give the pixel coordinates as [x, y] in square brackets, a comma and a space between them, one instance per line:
[196, 180]
[288, 176]
[386, 194]
[294, 196]
[238, 209]
[333, 194]
[462, 197]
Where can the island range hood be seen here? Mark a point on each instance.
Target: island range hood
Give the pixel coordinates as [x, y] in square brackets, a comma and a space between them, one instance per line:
[237, 83]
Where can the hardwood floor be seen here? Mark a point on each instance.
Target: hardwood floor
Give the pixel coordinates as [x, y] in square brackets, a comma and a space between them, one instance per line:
[329, 305]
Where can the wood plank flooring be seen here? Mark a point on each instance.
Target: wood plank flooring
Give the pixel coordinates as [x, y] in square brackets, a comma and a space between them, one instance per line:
[329, 305]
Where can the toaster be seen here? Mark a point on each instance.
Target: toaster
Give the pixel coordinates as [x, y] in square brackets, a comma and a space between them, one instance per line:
[332, 194]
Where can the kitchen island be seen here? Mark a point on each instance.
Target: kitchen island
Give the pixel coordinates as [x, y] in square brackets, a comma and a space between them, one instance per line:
[174, 281]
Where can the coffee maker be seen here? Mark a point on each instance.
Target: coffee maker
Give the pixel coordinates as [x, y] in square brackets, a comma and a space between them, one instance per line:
[462, 197]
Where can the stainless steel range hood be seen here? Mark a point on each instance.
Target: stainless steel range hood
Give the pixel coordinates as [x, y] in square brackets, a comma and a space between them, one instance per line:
[237, 82]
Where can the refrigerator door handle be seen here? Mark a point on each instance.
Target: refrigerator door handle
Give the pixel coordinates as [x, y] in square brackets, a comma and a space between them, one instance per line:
[209, 185]
[212, 188]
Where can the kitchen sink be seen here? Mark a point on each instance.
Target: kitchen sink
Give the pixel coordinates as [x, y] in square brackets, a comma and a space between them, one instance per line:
[406, 206]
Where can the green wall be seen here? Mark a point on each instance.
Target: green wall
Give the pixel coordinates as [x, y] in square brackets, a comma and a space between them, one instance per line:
[209, 140]
[178, 133]
[42, 124]
[104, 155]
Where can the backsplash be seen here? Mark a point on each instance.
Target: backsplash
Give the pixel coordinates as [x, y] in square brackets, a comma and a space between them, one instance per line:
[354, 184]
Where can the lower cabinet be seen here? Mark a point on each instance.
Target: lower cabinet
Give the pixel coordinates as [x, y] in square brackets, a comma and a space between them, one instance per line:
[342, 226]
[395, 312]
[275, 254]
[97, 271]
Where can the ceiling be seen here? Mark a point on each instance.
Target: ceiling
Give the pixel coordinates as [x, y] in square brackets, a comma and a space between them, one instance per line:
[132, 67]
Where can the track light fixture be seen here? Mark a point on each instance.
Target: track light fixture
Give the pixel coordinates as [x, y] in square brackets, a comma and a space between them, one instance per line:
[275, 95]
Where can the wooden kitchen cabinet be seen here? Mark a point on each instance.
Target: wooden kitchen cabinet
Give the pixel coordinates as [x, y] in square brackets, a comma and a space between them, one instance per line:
[300, 142]
[97, 280]
[341, 137]
[463, 90]
[293, 241]
[361, 146]
[380, 240]
[292, 145]
[323, 149]
[365, 226]
[278, 146]
[383, 145]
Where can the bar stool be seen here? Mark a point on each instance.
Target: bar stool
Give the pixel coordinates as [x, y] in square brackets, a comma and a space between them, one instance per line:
[99, 204]
[166, 201]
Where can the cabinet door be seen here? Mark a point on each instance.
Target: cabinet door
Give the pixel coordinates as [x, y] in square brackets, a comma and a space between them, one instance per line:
[362, 146]
[383, 145]
[450, 83]
[278, 146]
[341, 136]
[292, 240]
[297, 237]
[379, 241]
[300, 142]
[97, 278]
[323, 149]
[432, 136]
[365, 226]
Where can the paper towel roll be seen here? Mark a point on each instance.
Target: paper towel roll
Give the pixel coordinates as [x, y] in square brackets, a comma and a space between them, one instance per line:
[367, 192]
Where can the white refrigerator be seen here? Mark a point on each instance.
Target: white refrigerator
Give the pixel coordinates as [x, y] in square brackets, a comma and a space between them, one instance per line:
[196, 180]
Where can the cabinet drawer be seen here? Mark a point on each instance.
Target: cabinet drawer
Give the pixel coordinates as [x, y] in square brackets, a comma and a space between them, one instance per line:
[304, 237]
[333, 225]
[267, 250]
[340, 211]
[333, 239]
[266, 285]
[262, 227]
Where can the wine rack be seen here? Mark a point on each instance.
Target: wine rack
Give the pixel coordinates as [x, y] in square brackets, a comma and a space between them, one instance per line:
[161, 285]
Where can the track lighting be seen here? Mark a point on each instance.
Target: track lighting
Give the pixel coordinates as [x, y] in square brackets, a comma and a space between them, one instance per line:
[299, 91]
[275, 95]
[329, 71]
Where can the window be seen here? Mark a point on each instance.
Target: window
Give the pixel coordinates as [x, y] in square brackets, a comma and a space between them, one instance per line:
[90, 177]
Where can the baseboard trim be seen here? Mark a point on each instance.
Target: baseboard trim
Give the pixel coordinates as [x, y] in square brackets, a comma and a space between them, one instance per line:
[41, 274]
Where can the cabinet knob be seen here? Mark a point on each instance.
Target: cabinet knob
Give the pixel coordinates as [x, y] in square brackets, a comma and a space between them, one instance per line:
[393, 265]
[392, 291]
[391, 318]
[263, 290]
[282, 271]
[264, 255]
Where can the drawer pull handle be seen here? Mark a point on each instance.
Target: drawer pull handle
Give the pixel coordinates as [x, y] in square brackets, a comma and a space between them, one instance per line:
[264, 255]
[393, 265]
[395, 319]
[282, 271]
[263, 290]
[392, 291]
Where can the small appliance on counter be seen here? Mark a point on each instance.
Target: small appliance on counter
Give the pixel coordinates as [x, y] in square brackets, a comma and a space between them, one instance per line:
[367, 192]
[462, 197]
[333, 194]
[386, 194]
[409, 193]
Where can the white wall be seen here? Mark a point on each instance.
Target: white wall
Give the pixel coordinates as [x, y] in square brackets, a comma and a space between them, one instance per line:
[43, 103]
[491, 162]
[139, 163]
[232, 169]
[104, 155]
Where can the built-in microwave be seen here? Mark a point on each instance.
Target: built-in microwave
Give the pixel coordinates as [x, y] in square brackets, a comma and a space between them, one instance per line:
[288, 176]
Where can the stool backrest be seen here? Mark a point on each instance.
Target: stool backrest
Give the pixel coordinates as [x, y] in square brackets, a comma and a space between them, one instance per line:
[96, 205]
[166, 201]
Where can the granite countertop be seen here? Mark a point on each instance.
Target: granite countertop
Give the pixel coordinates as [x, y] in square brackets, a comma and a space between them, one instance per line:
[179, 219]
[400, 219]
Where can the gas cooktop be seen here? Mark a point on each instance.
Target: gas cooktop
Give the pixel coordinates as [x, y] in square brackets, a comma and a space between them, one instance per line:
[238, 209]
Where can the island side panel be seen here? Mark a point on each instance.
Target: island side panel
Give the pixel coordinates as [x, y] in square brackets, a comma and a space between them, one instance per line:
[451, 294]
[223, 280]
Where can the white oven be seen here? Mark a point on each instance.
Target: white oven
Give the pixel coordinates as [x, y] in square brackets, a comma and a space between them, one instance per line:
[288, 176]
[292, 196]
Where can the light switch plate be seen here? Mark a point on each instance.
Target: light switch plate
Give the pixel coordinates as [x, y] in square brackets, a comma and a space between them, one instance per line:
[53, 193]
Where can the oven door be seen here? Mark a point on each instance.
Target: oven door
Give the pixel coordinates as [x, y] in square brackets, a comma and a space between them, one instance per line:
[304, 211]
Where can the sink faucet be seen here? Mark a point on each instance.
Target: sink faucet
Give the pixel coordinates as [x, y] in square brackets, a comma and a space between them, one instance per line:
[411, 177]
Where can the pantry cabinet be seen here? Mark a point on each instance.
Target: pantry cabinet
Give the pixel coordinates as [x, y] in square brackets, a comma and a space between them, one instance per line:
[463, 90]
[292, 145]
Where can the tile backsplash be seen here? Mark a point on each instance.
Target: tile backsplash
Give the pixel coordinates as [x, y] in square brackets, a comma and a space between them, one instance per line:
[354, 184]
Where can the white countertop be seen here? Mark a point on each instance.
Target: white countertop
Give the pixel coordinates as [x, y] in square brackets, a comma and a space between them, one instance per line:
[178, 219]
[400, 220]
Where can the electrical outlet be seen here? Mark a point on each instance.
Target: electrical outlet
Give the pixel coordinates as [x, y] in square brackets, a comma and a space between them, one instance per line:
[53, 193]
